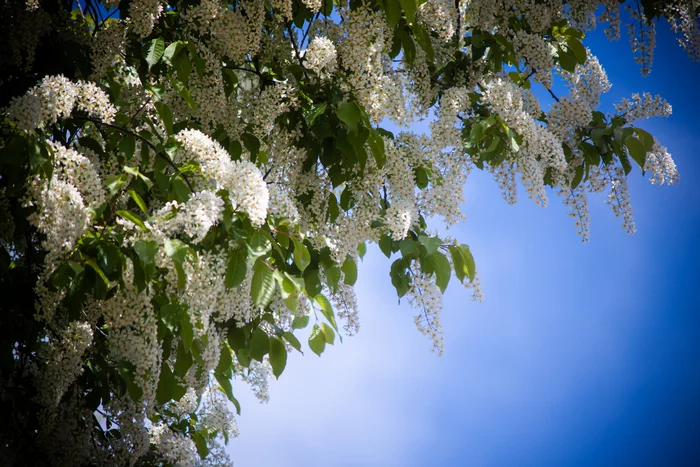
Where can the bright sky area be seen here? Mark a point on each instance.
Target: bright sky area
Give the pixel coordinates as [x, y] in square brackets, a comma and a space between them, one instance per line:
[580, 354]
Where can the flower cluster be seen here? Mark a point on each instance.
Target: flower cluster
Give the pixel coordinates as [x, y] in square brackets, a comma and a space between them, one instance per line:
[54, 98]
[643, 107]
[241, 178]
[321, 56]
[424, 295]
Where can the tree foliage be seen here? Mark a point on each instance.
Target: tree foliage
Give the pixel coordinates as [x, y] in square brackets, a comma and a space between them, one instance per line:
[185, 185]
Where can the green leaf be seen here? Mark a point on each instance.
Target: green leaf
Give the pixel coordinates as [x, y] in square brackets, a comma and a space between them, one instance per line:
[646, 139]
[166, 385]
[312, 112]
[577, 49]
[300, 322]
[408, 246]
[328, 334]
[399, 276]
[385, 244]
[326, 309]
[153, 51]
[333, 277]
[469, 261]
[139, 201]
[458, 262]
[636, 149]
[376, 144]
[166, 116]
[317, 340]
[409, 9]
[127, 371]
[201, 443]
[362, 250]
[292, 339]
[259, 344]
[409, 48]
[129, 216]
[312, 282]
[431, 244]
[115, 183]
[349, 269]
[278, 356]
[349, 113]
[184, 361]
[302, 258]
[236, 268]
[176, 250]
[146, 250]
[91, 262]
[262, 285]
[171, 52]
[186, 331]
[423, 40]
[258, 245]
[442, 270]
[392, 9]
[225, 383]
[567, 59]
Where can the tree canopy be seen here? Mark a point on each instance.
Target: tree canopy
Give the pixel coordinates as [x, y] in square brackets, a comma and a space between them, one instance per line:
[186, 184]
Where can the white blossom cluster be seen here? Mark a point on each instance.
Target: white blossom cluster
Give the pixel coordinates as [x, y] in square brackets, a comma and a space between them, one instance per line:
[66, 363]
[643, 107]
[369, 77]
[321, 57]
[143, 15]
[195, 217]
[642, 36]
[619, 197]
[684, 21]
[425, 296]
[281, 205]
[231, 33]
[542, 148]
[176, 448]
[575, 111]
[247, 189]
[537, 53]
[55, 97]
[63, 203]
[661, 165]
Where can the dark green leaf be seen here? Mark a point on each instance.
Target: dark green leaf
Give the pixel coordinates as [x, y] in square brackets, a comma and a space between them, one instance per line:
[236, 268]
[409, 9]
[442, 270]
[349, 269]
[636, 149]
[278, 356]
[292, 339]
[153, 51]
[259, 344]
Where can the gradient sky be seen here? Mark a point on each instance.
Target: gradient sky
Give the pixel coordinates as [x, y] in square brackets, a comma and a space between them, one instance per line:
[581, 354]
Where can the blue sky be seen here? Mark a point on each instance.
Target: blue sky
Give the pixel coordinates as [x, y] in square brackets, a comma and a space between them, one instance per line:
[581, 354]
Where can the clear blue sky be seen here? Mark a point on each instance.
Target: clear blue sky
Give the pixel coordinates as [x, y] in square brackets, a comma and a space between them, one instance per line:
[581, 354]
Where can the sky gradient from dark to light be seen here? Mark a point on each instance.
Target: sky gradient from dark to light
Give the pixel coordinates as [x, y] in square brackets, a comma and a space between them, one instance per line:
[580, 354]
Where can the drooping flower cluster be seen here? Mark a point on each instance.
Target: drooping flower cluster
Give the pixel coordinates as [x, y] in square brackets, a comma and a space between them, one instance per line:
[241, 178]
[55, 97]
[321, 56]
